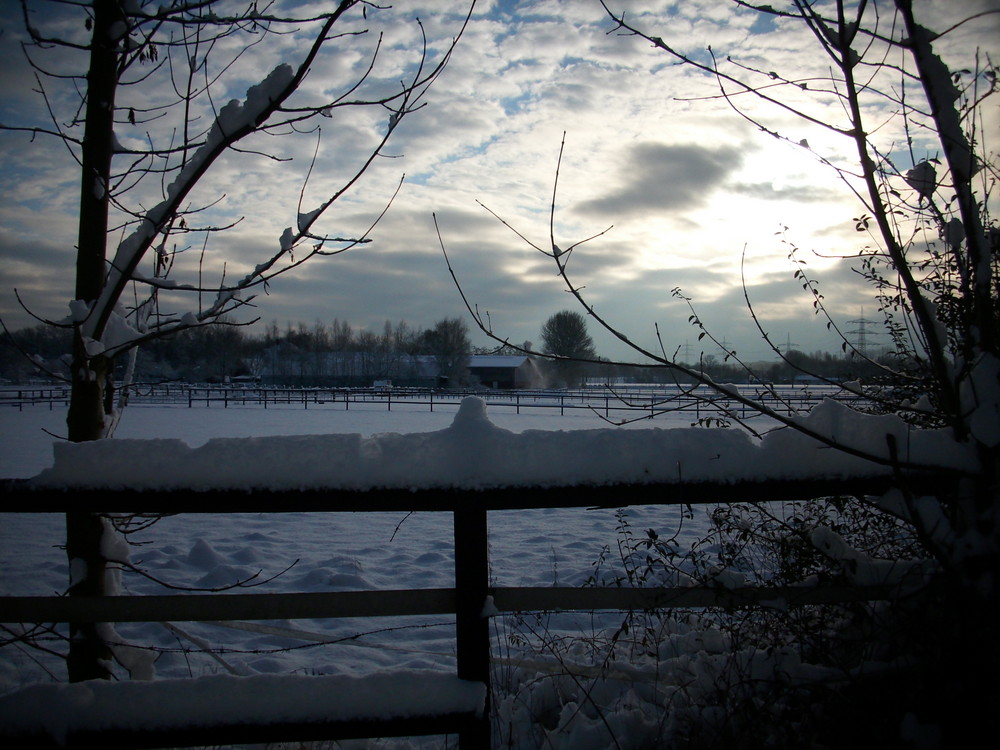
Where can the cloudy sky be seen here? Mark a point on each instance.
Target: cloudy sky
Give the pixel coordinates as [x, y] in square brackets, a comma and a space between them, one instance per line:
[689, 188]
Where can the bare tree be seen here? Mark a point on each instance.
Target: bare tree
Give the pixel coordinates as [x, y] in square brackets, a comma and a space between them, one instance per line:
[923, 175]
[932, 256]
[170, 71]
[132, 53]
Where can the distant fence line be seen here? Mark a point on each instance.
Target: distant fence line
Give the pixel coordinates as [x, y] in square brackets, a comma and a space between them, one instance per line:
[626, 402]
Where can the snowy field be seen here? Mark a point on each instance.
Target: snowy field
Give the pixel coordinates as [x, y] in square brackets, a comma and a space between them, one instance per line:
[309, 552]
[567, 680]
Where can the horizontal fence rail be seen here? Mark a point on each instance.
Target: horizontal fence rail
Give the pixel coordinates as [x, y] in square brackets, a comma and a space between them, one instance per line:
[471, 600]
[22, 497]
[415, 602]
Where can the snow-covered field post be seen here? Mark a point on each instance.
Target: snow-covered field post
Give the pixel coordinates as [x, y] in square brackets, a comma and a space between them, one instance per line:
[906, 133]
[164, 102]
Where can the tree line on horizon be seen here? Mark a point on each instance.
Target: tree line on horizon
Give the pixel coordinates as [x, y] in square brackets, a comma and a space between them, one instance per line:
[338, 353]
[296, 354]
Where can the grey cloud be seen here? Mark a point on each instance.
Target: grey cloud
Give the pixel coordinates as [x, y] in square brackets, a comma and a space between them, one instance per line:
[366, 291]
[657, 177]
[38, 252]
[41, 272]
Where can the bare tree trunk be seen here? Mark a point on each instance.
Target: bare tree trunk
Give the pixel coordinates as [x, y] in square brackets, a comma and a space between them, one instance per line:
[88, 655]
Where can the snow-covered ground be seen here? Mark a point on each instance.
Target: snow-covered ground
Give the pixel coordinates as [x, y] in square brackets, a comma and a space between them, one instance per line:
[311, 552]
[563, 680]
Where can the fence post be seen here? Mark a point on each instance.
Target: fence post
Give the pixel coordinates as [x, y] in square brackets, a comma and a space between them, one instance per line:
[471, 626]
[89, 656]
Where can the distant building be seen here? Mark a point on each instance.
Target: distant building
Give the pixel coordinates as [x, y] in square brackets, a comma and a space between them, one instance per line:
[363, 369]
[505, 371]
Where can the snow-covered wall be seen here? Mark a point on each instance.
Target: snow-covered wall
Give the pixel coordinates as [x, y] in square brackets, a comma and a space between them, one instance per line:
[473, 453]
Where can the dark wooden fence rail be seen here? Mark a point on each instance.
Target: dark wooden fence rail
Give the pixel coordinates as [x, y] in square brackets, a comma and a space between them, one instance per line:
[466, 600]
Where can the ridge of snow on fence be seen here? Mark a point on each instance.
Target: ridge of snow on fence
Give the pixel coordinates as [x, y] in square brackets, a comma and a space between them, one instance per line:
[473, 453]
[65, 710]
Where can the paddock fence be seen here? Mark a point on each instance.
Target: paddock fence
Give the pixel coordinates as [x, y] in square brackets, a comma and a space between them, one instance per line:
[616, 403]
[472, 600]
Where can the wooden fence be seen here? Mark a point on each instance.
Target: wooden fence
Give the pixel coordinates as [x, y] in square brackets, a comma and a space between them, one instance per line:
[19, 398]
[466, 600]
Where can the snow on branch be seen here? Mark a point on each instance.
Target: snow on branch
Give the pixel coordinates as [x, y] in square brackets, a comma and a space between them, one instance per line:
[235, 120]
